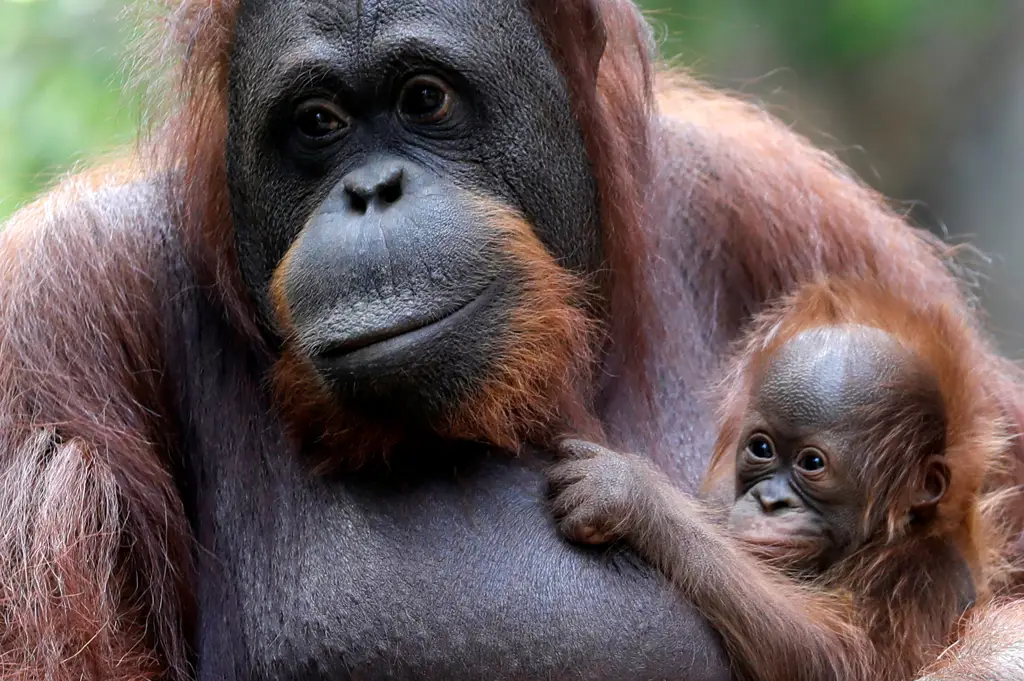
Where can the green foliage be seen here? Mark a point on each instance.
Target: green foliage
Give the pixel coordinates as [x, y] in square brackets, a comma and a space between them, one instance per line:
[818, 34]
[841, 33]
[61, 90]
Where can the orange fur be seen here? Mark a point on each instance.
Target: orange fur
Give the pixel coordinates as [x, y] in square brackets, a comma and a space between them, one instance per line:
[84, 458]
[604, 50]
[539, 382]
[107, 596]
[887, 577]
[192, 144]
[990, 648]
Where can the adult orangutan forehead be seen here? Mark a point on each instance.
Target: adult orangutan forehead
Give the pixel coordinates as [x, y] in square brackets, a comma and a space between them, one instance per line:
[822, 375]
[519, 140]
[489, 36]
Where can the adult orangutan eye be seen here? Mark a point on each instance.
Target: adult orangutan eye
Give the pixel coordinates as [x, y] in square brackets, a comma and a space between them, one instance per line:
[320, 122]
[425, 99]
[811, 461]
[760, 447]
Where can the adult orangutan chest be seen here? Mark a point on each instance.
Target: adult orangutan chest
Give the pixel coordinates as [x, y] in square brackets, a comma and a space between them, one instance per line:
[443, 576]
[449, 580]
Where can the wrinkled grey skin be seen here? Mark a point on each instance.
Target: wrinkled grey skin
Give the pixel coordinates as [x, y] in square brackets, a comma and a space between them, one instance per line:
[825, 391]
[809, 397]
[362, 274]
[435, 575]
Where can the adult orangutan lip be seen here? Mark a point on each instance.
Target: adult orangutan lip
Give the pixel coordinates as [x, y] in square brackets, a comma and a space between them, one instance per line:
[380, 343]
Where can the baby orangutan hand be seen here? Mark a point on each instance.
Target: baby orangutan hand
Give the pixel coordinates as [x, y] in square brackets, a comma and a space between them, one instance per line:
[598, 493]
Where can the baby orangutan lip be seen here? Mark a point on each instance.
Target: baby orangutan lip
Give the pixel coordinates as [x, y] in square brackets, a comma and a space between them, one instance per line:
[781, 540]
[785, 551]
[782, 526]
[783, 544]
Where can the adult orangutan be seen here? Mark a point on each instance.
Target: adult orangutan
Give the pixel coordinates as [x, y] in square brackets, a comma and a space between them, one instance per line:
[991, 647]
[426, 234]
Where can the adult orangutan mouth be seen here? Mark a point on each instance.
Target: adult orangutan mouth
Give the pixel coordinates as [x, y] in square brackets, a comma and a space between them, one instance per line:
[371, 347]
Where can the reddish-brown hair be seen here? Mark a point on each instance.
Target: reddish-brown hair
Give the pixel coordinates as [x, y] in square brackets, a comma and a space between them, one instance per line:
[976, 440]
[108, 595]
[95, 550]
[193, 143]
[539, 386]
[990, 647]
[602, 50]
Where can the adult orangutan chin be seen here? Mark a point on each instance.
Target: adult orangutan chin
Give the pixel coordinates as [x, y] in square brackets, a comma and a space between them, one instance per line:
[276, 392]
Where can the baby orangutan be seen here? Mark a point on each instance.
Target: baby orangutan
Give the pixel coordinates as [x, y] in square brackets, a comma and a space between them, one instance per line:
[854, 440]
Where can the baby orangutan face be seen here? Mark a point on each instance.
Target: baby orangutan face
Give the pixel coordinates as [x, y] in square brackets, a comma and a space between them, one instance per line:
[801, 496]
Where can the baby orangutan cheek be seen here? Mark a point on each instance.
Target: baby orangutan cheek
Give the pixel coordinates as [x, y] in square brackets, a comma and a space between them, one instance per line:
[792, 537]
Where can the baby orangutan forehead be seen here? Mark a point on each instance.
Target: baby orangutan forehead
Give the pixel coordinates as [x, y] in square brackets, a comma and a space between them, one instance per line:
[818, 376]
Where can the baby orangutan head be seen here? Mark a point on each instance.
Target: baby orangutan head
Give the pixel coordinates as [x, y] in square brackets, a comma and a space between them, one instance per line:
[831, 415]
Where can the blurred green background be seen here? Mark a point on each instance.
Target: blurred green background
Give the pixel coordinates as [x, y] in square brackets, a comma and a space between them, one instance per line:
[924, 98]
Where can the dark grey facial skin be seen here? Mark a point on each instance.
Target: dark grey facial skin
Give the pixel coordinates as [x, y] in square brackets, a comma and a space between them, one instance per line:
[805, 405]
[406, 295]
[450, 571]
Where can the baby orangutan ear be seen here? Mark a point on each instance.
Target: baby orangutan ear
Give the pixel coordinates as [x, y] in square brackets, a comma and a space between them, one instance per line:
[932, 487]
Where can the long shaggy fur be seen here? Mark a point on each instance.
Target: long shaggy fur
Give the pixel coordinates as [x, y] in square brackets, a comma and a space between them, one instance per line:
[604, 49]
[990, 648]
[540, 385]
[95, 551]
[106, 595]
[908, 609]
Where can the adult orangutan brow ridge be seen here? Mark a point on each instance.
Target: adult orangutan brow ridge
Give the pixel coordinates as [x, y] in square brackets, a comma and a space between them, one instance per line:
[396, 242]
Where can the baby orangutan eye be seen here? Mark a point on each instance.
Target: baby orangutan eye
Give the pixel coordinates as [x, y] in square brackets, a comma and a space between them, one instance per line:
[811, 461]
[760, 447]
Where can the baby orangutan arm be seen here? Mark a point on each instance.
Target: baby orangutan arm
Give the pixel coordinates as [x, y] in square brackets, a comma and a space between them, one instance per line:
[775, 628]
